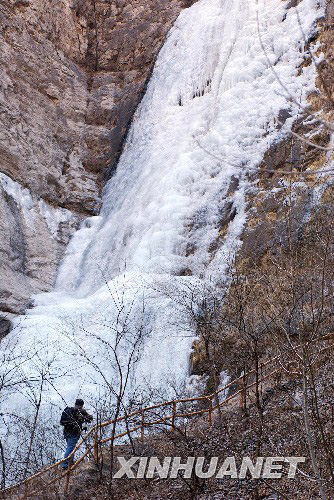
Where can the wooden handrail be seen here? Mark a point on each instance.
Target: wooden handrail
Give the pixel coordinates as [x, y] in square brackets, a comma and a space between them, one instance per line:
[122, 418]
[162, 420]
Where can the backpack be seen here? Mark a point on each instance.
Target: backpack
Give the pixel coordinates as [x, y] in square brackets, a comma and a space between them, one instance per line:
[69, 420]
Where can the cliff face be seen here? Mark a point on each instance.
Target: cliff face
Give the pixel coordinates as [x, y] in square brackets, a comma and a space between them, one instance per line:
[72, 74]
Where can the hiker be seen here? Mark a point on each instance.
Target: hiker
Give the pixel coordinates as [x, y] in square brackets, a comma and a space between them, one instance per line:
[72, 419]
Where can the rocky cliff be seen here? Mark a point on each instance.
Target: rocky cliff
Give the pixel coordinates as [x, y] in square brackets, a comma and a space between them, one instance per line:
[72, 74]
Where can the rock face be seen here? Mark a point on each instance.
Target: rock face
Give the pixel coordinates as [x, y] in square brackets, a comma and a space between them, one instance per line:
[72, 74]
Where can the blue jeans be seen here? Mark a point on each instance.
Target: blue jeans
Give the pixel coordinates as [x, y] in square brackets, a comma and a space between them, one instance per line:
[71, 443]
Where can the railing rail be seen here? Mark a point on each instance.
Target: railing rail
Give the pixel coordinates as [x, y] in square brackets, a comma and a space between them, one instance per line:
[145, 423]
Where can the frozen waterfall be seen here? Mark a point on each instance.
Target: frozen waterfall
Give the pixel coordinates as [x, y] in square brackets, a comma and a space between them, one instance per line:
[208, 116]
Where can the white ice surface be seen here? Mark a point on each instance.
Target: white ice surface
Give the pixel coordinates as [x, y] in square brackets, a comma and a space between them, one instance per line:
[213, 88]
[33, 207]
[22, 197]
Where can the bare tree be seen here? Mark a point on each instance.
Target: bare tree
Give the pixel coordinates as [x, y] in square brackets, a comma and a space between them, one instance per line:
[118, 349]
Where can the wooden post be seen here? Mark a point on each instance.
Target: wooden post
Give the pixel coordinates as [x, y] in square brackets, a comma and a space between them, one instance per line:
[25, 494]
[243, 391]
[210, 412]
[96, 445]
[67, 478]
[173, 417]
[244, 378]
[142, 426]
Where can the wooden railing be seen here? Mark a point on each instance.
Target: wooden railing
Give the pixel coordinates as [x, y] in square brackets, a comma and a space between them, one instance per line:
[93, 442]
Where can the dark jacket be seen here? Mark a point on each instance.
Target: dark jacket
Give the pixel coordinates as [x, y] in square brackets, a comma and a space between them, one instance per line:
[73, 419]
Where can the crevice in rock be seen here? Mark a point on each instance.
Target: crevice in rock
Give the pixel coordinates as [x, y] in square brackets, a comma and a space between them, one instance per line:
[5, 326]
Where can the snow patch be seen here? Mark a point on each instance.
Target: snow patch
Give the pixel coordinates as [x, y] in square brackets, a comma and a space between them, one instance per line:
[54, 216]
[21, 196]
[32, 207]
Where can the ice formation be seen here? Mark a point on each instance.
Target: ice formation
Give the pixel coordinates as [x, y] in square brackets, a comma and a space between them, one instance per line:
[34, 207]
